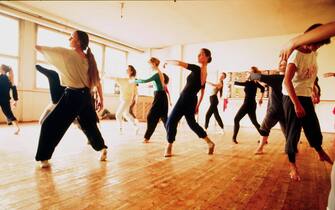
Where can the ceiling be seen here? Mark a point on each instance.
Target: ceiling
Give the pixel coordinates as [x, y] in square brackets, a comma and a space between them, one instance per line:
[150, 24]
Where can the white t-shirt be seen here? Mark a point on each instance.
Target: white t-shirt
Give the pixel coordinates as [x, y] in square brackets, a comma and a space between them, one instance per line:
[71, 66]
[331, 199]
[304, 77]
[127, 88]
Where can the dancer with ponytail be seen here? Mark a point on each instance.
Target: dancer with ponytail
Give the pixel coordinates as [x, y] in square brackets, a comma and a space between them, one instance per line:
[188, 103]
[214, 101]
[7, 84]
[159, 108]
[79, 74]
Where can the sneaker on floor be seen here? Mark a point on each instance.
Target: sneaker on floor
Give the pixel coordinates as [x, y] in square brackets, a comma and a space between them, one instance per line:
[45, 164]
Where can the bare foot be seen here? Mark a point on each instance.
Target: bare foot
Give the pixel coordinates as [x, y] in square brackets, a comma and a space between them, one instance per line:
[45, 164]
[260, 147]
[323, 156]
[168, 151]
[17, 131]
[211, 147]
[103, 155]
[146, 141]
[259, 151]
[294, 174]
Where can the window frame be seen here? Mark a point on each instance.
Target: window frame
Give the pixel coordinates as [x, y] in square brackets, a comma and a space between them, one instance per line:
[16, 57]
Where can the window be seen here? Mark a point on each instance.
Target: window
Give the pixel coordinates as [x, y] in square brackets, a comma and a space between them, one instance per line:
[52, 38]
[97, 50]
[9, 44]
[115, 65]
[140, 62]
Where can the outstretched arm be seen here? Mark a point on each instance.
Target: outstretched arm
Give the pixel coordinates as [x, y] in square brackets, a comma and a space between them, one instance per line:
[329, 74]
[323, 32]
[150, 79]
[240, 83]
[216, 85]
[175, 63]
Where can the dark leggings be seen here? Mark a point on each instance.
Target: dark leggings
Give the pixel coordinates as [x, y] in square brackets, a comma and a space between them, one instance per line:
[309, 123]
[213, 109]
[248, 107]
[7, 110]
[185, 106]
[159, 110]
[74, 103]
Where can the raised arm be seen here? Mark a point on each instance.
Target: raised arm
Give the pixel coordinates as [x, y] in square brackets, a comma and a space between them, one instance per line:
[323, 32]
[175, 63]
[290, 71]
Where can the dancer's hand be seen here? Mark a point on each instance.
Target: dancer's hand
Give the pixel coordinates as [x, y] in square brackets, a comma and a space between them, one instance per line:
[196, 109]
[286, 51]
[99, 105]
[260, 102]
[299, 110]
[14, 103]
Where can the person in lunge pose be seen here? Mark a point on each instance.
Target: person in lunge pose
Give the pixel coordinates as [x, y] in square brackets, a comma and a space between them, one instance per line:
[56, 92]
[127, 92]
[274, 112]
[159, 108]
[300, 75]
[214, 102]
[188, 104]
[79, 74]
[249, 104]
[6, 85]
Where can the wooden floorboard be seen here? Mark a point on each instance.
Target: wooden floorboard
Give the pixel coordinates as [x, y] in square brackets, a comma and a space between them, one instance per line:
[137, 176]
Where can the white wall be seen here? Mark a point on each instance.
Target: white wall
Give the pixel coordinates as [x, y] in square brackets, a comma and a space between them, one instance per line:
[239, 55]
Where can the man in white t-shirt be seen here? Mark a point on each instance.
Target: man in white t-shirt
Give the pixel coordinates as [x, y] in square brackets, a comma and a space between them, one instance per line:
[298, 86]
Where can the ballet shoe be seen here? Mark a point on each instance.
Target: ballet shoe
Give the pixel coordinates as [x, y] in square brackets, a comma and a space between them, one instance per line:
[103, 156]
[235, 141]
[146, 141]
[17, 132]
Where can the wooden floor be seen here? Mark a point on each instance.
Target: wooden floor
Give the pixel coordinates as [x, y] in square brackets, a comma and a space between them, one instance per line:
[137, 176]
